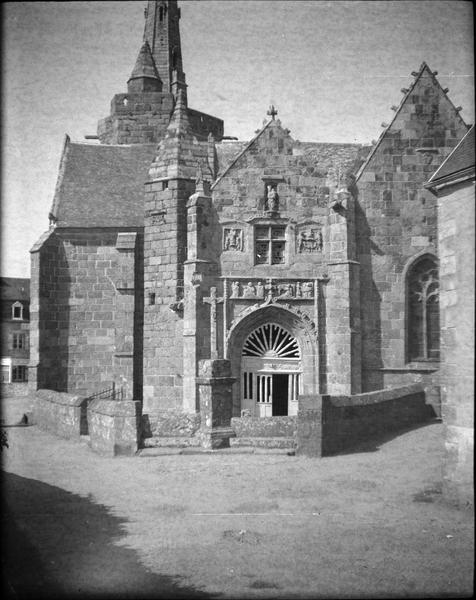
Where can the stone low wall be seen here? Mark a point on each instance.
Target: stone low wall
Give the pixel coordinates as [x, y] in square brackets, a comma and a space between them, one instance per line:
[60, 413]
[329, 424]
[264, 426]
[114, 426]
[14, 389]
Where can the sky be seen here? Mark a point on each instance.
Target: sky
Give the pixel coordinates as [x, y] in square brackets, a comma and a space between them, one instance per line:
[332, 68]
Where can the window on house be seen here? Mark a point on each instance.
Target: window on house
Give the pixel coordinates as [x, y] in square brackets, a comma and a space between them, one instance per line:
[19, 341]
[19, 373]
[423, 323]
[17, 311]
[270, 245]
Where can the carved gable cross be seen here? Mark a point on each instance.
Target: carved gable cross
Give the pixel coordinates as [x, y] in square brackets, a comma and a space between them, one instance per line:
[213, 300]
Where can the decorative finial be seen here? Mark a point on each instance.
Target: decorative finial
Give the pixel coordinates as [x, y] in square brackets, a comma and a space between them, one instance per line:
[272, 112]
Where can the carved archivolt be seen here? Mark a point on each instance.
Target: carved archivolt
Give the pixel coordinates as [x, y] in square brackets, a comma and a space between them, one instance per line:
[307, 323]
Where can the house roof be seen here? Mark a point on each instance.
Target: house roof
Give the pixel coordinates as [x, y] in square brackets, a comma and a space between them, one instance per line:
[101, 185]
[459, 162]
[14, 288]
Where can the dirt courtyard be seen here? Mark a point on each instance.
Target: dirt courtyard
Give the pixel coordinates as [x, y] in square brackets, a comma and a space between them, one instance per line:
[370, 523]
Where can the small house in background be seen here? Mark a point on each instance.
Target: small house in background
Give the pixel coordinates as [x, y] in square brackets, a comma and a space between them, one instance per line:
[15, 299]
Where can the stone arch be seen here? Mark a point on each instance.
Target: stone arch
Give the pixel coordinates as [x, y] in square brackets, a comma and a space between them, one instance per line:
[299, 325]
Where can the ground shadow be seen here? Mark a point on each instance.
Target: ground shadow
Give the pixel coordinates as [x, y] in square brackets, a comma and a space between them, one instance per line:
[57, 544]
[375, 441]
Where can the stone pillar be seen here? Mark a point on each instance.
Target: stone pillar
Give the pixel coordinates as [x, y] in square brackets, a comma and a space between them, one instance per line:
[343, 302]
[196, 268]
[309, 426]
[215, 398]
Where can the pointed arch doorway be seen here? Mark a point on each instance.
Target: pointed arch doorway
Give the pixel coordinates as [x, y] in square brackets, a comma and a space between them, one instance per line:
[271, 371]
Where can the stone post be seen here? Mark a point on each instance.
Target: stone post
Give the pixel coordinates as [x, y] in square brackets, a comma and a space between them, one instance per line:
[309, 429]
[215, 398]
[196, 269]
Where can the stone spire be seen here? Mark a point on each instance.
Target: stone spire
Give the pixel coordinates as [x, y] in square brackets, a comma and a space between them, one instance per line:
[162, 33]
[144, 77]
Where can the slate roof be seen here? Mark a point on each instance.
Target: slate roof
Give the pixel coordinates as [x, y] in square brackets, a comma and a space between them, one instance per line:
[14, 288]
[458, 162]
[101, 185]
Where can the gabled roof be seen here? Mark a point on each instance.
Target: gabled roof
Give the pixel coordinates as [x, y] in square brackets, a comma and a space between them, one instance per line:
[240, 154]
[101, 185]
[423, 68]
[14, 288]
[459, 163]
[324, 155]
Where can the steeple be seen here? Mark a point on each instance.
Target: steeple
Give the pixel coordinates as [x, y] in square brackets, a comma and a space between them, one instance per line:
[162, 33]
[144, 77]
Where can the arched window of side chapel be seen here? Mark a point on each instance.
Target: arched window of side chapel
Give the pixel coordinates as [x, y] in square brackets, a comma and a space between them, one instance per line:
[423, 319]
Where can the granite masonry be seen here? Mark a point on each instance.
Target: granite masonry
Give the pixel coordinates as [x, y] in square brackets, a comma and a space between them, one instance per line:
[218, 281]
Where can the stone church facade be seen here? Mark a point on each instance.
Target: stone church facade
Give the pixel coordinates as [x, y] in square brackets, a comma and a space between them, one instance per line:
[278, 268]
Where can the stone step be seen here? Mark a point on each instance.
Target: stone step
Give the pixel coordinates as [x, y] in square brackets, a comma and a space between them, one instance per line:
[170, 442]
[164, 451]
[263, 442]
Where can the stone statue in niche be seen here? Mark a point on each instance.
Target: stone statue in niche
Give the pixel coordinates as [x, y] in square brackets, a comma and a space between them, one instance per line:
[272, 199]
[249, 291]
[310, 241]
[233, 240]
[260, 290]
[235, 290]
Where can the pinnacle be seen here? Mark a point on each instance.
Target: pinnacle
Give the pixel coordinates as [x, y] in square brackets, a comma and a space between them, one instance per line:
[145, 66]
[179, 123]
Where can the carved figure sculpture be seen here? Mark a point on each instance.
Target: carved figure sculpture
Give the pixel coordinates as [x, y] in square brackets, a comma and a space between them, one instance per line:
[272, 199]
[233, 239]
[249, 291]
[307, 288]
[260, 290]
[235, 290]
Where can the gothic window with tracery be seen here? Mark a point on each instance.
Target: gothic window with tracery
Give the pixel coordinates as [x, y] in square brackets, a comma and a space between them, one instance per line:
[423, 334]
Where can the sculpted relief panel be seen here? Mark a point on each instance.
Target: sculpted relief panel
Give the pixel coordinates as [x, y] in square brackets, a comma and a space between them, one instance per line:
[233, 239]
[309, 239]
